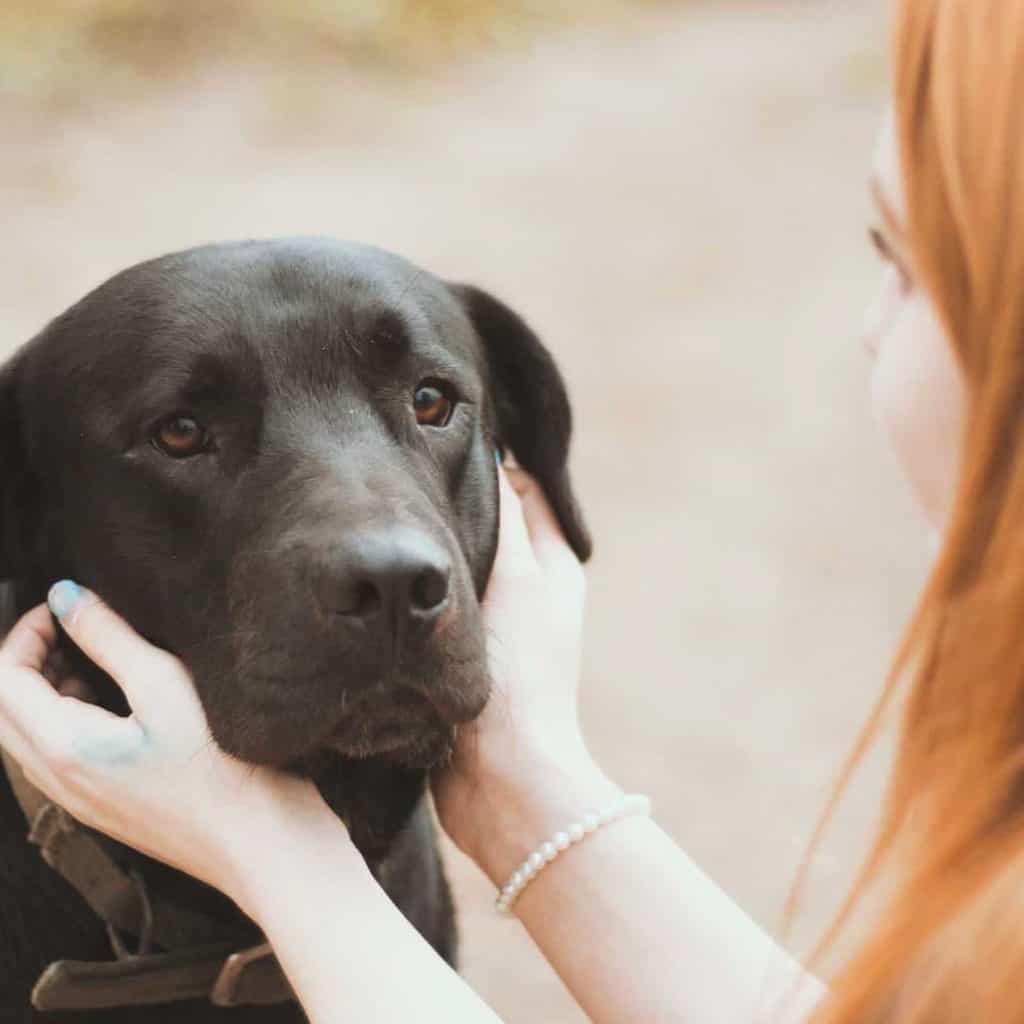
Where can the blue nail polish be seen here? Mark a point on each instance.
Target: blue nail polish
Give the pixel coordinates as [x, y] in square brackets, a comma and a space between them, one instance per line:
[498, 457]
[63, 597]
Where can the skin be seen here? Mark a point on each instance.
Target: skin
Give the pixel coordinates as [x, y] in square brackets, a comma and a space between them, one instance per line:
[664, 943]
[916, 389]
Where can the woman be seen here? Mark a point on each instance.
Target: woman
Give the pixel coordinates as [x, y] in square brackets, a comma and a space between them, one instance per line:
[661, 942]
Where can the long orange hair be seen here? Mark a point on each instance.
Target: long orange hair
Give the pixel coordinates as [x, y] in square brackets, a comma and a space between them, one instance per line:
[949, 945]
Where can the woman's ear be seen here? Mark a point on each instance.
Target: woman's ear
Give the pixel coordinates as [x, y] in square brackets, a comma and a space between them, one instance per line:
[534, 418]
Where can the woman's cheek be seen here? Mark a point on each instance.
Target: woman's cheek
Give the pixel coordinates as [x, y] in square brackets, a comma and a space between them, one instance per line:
[918, 398]
[883, 311]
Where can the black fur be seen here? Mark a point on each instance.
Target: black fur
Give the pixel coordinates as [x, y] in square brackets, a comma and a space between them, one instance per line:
[300, 357]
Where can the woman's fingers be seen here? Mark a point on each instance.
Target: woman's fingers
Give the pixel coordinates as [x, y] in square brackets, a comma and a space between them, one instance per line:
[514, 548]
[546, 538]
[106, 639]
[541, 523]
[37, 722]
[22, 710]
[31, 640]
[26, 698]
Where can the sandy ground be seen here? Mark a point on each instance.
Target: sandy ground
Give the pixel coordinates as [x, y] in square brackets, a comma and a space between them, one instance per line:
[678, 205]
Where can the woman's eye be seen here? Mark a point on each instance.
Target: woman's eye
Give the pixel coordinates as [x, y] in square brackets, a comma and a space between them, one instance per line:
[181, 436]
[433, 406]
[885, 251]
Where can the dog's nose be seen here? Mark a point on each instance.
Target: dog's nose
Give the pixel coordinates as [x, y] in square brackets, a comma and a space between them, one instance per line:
[389, 580]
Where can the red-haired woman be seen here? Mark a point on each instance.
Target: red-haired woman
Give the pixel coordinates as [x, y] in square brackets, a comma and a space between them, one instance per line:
[633, 927]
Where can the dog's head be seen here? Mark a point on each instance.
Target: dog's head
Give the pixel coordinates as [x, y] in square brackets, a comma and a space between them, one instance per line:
[277, 460]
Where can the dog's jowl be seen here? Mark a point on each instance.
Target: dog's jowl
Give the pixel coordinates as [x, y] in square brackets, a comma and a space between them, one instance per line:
[276, 460]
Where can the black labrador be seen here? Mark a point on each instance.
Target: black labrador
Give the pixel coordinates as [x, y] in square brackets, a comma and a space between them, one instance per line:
[277, 460]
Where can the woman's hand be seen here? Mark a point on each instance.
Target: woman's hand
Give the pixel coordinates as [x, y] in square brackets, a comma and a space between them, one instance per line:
[533, 616]
[527, 744]
[155, 780]
[158, 782]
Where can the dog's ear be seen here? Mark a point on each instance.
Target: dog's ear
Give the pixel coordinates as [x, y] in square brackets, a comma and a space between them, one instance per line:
[534, 419]
[19, 504]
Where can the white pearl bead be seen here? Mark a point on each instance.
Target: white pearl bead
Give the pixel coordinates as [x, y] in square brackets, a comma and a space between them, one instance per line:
[549, 851]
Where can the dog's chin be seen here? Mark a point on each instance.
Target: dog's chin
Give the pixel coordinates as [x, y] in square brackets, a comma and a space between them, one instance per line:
[419, 745]
[392, 722]
[417, 748]
[404, 743]
[403, 727]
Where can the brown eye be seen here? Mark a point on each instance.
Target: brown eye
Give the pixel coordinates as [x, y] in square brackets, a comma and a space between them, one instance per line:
[180, 436]
[433, 407]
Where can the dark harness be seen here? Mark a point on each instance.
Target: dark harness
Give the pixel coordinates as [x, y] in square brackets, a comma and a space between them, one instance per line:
[197, 958]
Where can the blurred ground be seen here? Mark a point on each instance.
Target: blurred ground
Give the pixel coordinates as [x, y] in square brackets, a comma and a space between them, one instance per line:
[677, 203]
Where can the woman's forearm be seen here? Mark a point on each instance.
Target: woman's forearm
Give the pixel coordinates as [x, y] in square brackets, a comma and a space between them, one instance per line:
[348, 953]
[634, 928]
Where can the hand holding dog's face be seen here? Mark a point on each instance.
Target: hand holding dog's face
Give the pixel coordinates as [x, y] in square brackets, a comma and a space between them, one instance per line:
[152, 780]
[276, 460]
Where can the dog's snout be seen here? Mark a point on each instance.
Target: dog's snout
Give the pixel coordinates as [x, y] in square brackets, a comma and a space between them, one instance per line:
[386, 580]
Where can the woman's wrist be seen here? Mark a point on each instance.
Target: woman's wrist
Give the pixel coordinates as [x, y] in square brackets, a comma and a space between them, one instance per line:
[530, 798]
[285, 839]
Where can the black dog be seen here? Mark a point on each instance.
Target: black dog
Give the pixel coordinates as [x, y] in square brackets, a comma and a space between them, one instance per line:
[277, 460]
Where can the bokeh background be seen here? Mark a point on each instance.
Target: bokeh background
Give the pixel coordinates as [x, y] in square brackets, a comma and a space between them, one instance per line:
[673, 193]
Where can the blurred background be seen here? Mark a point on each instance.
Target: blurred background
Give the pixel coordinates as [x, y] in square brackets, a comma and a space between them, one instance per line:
[673, 194]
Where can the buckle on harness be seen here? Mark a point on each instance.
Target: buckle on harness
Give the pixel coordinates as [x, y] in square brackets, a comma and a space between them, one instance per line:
[250, 978]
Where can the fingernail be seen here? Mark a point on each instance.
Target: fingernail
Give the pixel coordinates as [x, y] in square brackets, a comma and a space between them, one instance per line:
[64, 597]
[498, 457]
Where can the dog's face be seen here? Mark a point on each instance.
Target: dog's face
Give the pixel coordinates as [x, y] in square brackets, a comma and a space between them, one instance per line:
[277, 460]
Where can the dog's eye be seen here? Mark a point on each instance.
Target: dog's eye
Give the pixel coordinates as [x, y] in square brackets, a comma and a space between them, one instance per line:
[433, 406]
[180, 436]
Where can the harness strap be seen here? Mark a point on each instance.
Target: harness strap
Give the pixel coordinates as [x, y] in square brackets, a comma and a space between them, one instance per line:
[217, 973]
[201, 962]
[113, 894]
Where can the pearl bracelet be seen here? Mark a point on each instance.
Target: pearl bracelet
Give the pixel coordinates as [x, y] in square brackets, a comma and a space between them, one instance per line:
[624, 807]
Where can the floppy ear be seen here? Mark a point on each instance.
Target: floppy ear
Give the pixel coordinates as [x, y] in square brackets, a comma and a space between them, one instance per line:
[534, 418]
[19, 504]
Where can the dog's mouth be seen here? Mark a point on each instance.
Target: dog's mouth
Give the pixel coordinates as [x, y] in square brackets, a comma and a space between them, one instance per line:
[405, 725]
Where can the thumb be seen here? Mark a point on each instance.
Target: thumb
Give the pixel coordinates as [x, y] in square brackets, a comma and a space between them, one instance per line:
[106, 639]
[546, 538]
[515, 551]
